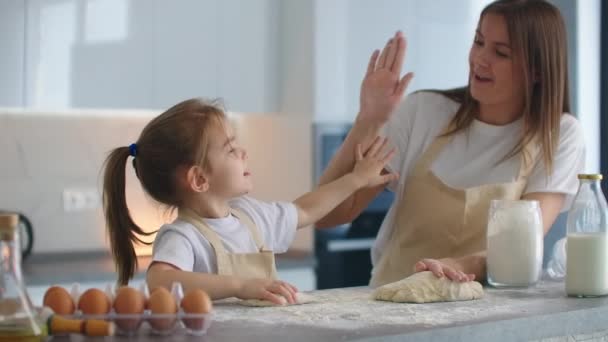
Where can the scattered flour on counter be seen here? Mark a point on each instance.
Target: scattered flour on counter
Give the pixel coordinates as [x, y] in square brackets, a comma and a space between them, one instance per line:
[353, 308]
[301, 298]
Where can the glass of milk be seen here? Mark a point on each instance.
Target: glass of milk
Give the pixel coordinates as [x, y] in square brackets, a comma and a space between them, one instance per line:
[514, 243]
[587, 240]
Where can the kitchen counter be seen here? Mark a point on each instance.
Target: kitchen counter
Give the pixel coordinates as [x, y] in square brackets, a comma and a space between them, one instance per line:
[349, 314]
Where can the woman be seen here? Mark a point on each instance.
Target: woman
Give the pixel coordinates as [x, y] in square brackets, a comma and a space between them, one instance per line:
[507, 134]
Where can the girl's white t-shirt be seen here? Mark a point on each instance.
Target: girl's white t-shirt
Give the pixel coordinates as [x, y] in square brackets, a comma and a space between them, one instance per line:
[182, 245]
[474, 156]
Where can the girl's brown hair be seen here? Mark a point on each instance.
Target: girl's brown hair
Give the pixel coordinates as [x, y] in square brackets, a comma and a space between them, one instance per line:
[538, 38]
[178, 137]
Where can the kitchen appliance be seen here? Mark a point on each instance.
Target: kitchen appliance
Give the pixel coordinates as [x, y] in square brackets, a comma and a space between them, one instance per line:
[343, 252]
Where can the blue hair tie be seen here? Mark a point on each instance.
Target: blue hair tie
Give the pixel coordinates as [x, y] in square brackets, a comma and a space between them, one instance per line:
[133, 150]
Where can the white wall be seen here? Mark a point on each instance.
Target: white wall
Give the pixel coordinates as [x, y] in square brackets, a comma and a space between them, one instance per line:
[588, 78]
[294, 56]
[291, 56]
[296, 61]
[151, 54]
[12, 31]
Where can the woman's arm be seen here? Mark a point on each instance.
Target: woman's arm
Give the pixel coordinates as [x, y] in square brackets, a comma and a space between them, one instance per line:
[219, 286]
[550, 206]
[341, 164]
[381, 91]
[474, 266]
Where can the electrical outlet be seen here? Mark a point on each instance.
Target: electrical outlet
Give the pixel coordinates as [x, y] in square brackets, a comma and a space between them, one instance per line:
[78, 199]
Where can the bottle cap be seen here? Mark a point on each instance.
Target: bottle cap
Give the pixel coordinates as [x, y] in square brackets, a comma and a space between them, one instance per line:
[8, 221]
[593, 176]
[8, 225]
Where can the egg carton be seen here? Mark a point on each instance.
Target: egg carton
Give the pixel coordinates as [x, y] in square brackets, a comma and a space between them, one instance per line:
[156, 323]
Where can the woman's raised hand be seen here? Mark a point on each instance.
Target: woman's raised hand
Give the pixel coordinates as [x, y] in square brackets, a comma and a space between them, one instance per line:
[382, 87]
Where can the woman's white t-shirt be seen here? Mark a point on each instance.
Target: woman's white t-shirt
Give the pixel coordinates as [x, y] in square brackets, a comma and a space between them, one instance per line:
[473, 156]
[182, 245]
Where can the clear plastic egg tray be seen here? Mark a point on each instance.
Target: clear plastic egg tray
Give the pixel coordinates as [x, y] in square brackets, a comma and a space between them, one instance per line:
[147, 322]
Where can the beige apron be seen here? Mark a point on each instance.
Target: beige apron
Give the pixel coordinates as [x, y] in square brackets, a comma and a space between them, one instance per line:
[437, 221]
[244, 265]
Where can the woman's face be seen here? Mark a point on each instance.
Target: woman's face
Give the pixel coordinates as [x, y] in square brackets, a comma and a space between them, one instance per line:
[496, 76]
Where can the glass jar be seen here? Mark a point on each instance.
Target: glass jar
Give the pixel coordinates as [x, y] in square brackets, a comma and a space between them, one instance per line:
[514, 243]
[18, 320]
[587, 247]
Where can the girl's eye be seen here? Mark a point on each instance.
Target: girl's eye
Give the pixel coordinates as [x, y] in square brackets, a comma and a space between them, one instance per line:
[502, 54]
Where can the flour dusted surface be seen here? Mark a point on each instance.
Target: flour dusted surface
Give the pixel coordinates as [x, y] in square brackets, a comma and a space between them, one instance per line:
[353, 308]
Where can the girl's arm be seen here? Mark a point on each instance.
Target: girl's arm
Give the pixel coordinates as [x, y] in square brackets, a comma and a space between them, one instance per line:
[314, 205]
[219, 286]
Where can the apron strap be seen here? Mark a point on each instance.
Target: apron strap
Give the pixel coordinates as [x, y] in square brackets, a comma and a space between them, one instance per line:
[193, 218]
[253, 229]
[223, 264]
[429, 156]
[431, 153]
[528, 156]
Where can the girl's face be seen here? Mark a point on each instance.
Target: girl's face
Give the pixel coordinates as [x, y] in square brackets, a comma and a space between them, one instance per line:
[228, 175]
[495, 75]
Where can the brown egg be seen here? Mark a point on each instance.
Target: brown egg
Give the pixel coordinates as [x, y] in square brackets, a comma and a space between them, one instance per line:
[150, 295]
[58, 299]
[196, 301]
[94, 302]
[161, 301]
[129, 301]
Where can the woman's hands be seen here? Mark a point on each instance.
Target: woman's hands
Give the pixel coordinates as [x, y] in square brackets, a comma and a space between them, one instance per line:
[382, 87]
[275, 291]
[450, 268]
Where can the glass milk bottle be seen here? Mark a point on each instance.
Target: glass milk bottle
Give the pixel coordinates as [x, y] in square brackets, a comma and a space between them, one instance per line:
[18, 320]
[587, 240]
[514, 243]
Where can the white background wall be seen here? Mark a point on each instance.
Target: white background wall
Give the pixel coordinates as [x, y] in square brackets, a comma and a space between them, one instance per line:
[588, 77]
[12, 56]
[290, 56]
[151, 54]
[303, 57]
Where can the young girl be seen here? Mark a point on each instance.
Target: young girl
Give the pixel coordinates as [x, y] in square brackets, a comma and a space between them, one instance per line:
[222, 240]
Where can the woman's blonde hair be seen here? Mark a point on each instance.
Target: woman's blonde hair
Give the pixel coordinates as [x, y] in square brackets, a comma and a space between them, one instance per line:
[538, 38]
[178, 137]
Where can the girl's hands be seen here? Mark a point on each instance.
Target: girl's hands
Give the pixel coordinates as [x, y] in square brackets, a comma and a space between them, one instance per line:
[369, 166]
[275, 291]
